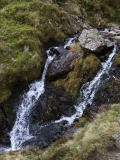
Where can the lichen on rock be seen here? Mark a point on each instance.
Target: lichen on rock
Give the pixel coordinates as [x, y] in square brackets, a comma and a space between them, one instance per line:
[91, 40]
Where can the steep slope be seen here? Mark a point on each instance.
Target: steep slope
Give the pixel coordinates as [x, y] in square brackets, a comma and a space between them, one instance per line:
[28, 27]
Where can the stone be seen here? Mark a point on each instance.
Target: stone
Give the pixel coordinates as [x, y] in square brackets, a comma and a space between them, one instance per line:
[52, 105]
[61, 64]
[91, 40]
[103, 33]
[114, 27]
[117, 31]
[112, 34]
[55, 50]
[44, 135]
[117, 37]
[109, 43]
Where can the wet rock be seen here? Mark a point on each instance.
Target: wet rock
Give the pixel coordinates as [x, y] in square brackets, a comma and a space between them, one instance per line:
[44, 135]
[4, 128]
[91, 40]
[115, 27]
[52, 105]
[61, 64]
[112, 34]
[62, 50]
[109, 43]
[103, 33]
[54, 50]
[117, 37]
[108, 93]
[117, 31]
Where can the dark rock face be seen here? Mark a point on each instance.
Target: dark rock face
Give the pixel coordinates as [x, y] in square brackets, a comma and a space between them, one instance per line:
[61, 64]
[52, 105]
[54, 50]
[44, 135]
[4, 128]
[108, 93]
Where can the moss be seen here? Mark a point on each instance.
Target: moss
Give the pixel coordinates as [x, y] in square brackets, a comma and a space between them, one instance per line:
[39, 24]
[81, 68]
[34, 25]
[98, 12]
[117, 60]
[95, 136]
[83, 121]
[75, 48]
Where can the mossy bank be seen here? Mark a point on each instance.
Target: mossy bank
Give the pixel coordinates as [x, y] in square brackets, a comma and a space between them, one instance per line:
[27, 28]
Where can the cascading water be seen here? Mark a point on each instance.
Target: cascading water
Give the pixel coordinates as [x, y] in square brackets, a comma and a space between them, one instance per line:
[69, 42]
[20, 131]
[89, 89]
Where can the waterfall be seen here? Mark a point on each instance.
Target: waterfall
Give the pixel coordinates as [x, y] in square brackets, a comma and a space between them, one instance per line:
[20, 131]
[69, 42]
[89, 89]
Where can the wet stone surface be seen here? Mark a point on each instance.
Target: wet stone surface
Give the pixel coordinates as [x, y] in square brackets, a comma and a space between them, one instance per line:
[52, 105]
[4, 129]
[44, 135]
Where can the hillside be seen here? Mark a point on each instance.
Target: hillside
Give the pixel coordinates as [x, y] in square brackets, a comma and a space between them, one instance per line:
[27, 28]
[62, 91]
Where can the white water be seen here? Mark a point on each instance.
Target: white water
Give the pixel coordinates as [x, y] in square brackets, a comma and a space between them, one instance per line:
[89, 89]
[69, 42]
[20, 131]
[106, 30]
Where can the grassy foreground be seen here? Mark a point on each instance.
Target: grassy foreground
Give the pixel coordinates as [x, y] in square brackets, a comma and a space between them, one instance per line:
[95, 137]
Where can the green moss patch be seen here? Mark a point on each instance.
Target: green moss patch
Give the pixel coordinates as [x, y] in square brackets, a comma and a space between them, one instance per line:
[27, 28]
[83, 70]
[99, 12]
[117, 60]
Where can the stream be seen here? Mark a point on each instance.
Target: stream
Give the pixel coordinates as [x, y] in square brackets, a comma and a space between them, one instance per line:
[21, 129]
[88, 90]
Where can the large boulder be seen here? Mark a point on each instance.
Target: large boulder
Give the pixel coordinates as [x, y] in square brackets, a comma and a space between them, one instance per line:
[91, 40]
[61, 64]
